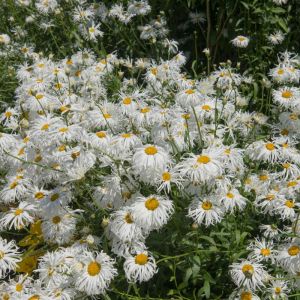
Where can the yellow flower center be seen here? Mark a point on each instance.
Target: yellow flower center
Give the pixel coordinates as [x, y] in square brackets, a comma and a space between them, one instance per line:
[289, 203]
[152, 204]
[63, 129]
[248, 270]
[141, 259]
[74, 155]
[151, 150]
[54, 197]
[206, 107]
[107, 116]
[45, 126]
[246, 296]
[61, 148]
[8, 114]
[292, 183]
[270, 146]
[270, 197]
[190, 91]
[145, 110]
[101, 134]
[230, 195]
[203, 159]
[13, 185]
[18, 211]
[39, 96]
[56, 220]
[293, 250]
[280, 71]
[241, 38]
[19, 287]
[286, 165]
[277, 290]
[206, 205]
[154, 71]
[284, 131]
[94, 268]
[186, 116]
[126, 135]
[166, 176]
[265, 252]
[263, 177]
[287, 94]
[2, 254]
[39, 195]
[127, 101]
[128, 219]
[34, 297]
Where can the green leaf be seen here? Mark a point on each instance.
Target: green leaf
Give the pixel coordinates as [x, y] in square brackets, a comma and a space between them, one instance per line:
[206, 289]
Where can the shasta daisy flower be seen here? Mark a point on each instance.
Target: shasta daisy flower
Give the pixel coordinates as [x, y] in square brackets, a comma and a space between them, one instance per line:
[287, 97]
[278, 289]
[206, 211]
[9, 256]
[152, 212]
[233, 200]
[262, 250]
[95, 273]
[204, 167]
[140, 267]
[289, 257]
[123, 225]
[150, 159]
[249, 274]
[240, 41]
[19, 217]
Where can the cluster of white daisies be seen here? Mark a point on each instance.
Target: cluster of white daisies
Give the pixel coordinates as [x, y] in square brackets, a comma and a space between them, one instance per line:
[75, 151]
[158, 133]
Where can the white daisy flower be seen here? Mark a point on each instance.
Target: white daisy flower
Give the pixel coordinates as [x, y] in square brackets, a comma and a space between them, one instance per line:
[9, 256]
[287, 97]
[94, 272]
[279, 289]
[152, 212]
[240, 41]
[289, 257]
[19, 217]
[248, 274]
[233, 200]
[123, 226]
[204, 167]
[262, 250]
[140, 267]
[206, 211]
[150, 159]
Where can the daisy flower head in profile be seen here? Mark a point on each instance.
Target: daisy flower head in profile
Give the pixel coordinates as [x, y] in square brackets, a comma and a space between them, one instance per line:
[240, 41]
[123, 225]
[140, 267]
[152, 212]
[248, 274]
[95, 271]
